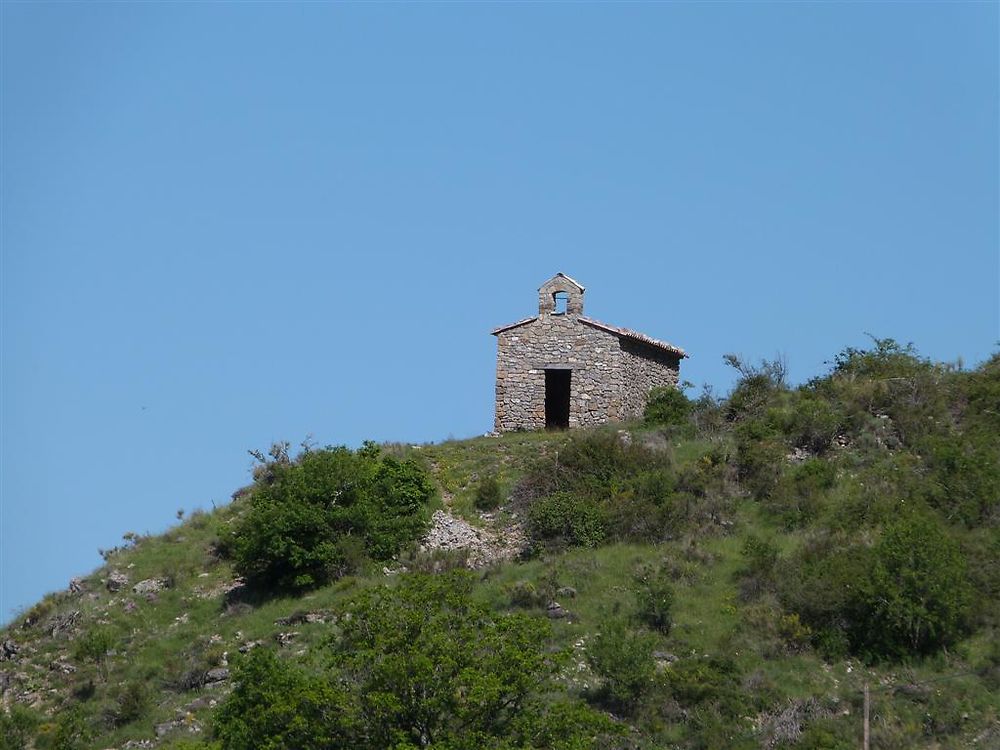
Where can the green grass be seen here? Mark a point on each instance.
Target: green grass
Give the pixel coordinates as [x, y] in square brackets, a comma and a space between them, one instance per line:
[708, 616]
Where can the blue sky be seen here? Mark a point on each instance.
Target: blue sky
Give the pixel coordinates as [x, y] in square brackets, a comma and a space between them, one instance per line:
[226, 224]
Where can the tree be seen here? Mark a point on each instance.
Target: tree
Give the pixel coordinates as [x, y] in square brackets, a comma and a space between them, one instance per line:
[310, 520]
[917, 593]
[420, 665]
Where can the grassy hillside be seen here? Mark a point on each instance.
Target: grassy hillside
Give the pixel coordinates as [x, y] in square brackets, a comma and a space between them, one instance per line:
[731, 573]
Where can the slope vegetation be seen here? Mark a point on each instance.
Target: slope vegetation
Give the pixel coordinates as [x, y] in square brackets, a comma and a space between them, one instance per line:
[732, 573]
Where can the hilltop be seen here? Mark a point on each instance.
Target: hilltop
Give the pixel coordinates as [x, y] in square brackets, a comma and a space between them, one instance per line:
[729, 572]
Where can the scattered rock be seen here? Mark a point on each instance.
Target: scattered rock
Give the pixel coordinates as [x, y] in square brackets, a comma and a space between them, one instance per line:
[798, 455]
[284, 639]
[567, 591]
[64, 622]
[218, 674]
[8, 650]
[129, 605]
[63, 667]
[297, 618]
[76, 585]
[6, 680]
[116, 581]
[149, 586]
[249, 645]
[205, 701]
[555, 611]
[664, 656]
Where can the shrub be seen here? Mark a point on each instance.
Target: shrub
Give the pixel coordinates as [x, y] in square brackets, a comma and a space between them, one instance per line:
[307, 516]
[964, 481]
[889, 381]
[916, 596]
[811, 422]
[129, 702]
[277, 705]
[623, 659]
[667, 406]
[488, 494]
[72, 730]
[756, 387]
[95, 646]
[820, 583]
[417, 665]
[696, 681]
[17, 727]
[562, 518]
[525, 594]
[655, 598]
[760, 457]
[796, 497]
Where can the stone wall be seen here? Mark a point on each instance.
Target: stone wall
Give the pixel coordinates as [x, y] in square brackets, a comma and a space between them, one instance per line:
[597, 389]
[646, 367]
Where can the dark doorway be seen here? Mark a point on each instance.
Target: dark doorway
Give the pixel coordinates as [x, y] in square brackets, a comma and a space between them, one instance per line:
[557, 397]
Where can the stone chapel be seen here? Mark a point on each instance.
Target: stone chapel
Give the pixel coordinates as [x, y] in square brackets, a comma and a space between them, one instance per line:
[561, 369]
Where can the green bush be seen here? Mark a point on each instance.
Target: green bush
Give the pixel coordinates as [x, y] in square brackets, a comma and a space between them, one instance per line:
[655, 598]
[757, 386]
[17, 727]
[916, 596]
[908, 595]
[893, 382]
[95, 646]
[129, 702]
[277, 705]
[599, 488]
[811, 422]
[695, 682]
[760, 457]
[797, 496]
[564, 519]
[415, 666]
[667, 406]
[964, 476]
[623, 659]
[488, 494]
[306, 516]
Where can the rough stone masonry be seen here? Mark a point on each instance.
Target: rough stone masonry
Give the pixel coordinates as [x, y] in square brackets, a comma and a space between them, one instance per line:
[561, 369]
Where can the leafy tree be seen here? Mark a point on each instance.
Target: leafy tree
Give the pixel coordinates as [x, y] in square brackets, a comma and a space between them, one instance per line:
[306, 517]
[417, 666]
[429, 667]
[916, 596]
[276, 705]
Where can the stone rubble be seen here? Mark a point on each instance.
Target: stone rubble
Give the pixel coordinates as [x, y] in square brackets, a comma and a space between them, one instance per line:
[485, 546]
[149, 586]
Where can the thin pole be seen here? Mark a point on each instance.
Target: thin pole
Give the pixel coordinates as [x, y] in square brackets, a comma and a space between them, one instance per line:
[866, 745]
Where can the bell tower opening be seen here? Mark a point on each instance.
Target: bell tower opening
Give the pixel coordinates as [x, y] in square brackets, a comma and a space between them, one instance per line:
[557, 392]
[561, 303]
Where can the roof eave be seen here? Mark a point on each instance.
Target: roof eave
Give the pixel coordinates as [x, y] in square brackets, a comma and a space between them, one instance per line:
[628, 333]
[501, 329]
